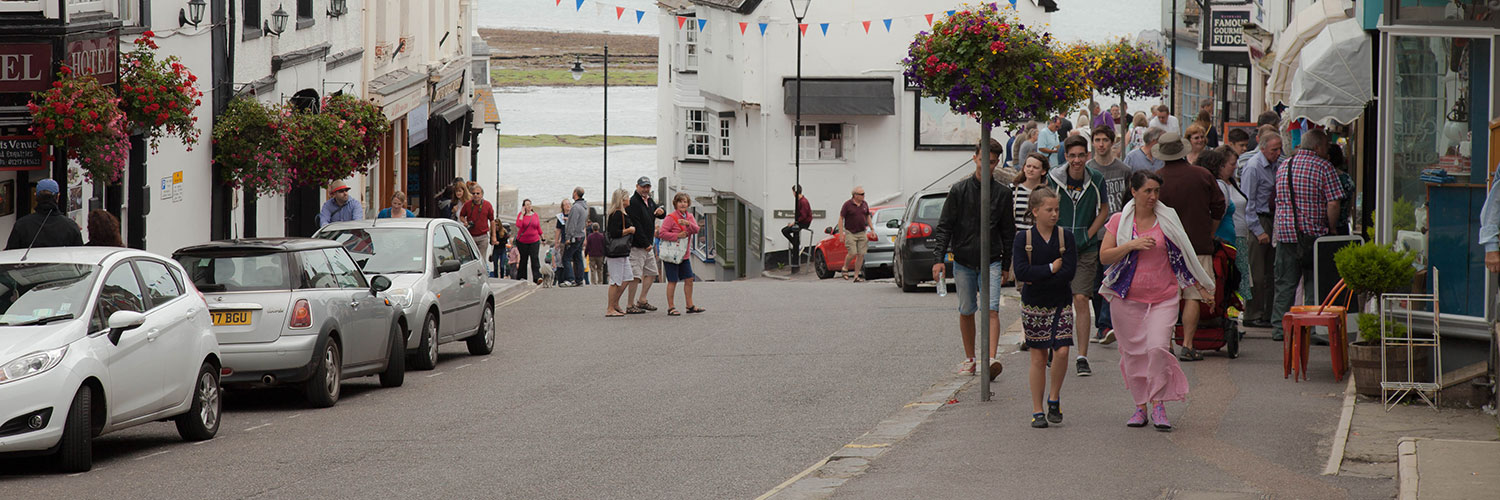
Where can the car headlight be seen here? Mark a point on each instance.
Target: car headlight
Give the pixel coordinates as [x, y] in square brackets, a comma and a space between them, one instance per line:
[31, 364]
[400, 296]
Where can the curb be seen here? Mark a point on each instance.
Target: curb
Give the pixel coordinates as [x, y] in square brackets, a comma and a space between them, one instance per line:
[767, 274]
[1406, 467]
[509, 291]
[1341, 433]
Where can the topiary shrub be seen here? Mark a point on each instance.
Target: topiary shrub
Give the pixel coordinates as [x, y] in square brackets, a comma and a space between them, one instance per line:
[1372, 269]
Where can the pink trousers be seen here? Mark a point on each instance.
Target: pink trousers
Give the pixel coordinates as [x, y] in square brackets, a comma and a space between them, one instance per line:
[1144, 332]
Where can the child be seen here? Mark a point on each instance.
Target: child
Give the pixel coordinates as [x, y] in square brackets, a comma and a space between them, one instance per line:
[1044, 259]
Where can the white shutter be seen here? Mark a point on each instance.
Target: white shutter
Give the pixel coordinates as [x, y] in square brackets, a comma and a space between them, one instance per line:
[848, 139]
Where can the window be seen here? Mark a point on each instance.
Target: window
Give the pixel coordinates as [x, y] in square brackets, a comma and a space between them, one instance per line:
[687, 45]
[121, 292]
[442, 247]
[826, 141]
[315, 270]
[161, 285]
[724, 124]
[461, 245]
[344, 271]
[304, 13]
[219, 272]
[696, 138]
[251, 15]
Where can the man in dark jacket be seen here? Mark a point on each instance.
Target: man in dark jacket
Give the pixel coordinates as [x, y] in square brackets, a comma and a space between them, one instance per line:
[958, 232]
[47, 226]
[1194, 193]
[801, 220]
[643, 212]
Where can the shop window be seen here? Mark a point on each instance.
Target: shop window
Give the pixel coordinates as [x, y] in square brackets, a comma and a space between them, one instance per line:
[826, 142]
[695, 137]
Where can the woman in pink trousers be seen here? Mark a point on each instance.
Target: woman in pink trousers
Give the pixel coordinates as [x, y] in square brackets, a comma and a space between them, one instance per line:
[1144, 246]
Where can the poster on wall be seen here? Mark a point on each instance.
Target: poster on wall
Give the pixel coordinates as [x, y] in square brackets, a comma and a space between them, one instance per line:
[938, 127]
[7, 197]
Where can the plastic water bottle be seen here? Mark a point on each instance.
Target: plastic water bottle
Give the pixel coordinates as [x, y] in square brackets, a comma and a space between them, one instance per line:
[942, 283]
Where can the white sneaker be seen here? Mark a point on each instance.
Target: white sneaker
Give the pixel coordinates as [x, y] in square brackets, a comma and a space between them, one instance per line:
[966, 367]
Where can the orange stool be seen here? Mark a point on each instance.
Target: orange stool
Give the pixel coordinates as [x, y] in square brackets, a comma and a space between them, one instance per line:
[1301, 318]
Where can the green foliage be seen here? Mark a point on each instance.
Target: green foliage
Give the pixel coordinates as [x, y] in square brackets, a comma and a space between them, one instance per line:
[1369, 328]
[247, 144]
[1372, 268]
[1403, 215]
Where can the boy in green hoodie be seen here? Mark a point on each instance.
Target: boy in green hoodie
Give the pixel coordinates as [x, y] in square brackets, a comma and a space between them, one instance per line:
[1083, 210]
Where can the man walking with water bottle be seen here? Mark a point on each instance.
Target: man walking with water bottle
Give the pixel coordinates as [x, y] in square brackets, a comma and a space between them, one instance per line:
[957, 232]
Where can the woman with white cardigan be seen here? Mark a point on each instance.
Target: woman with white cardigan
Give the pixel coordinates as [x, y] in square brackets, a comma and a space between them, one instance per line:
[1150, 261]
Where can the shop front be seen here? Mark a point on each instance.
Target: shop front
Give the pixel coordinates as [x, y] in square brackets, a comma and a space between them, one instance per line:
[1435, 162]
[402, 98]
[447, 127]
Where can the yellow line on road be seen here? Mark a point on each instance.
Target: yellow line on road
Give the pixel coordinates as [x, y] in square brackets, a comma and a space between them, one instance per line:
[794, 479]
[881, 445]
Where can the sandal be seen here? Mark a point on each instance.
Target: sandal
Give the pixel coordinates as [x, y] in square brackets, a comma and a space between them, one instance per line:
[634, 310]
[645, 306]
[673, 312]
[695, 309]
[1189, 354]
[613, 315]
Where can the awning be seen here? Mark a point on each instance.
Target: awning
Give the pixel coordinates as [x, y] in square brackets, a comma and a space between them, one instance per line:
[1304, 26]
[1334, 77]
[1189, 64]
[841, 97]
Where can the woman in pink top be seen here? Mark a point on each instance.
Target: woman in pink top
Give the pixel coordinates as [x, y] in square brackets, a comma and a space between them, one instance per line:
[528, 241]
[678, 225]
[1144, 246]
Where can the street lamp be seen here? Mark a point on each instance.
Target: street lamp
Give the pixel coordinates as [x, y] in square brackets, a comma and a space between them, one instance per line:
[338, 8]
[279, 18]
[577, 73]
[799, 11]
[193, 14]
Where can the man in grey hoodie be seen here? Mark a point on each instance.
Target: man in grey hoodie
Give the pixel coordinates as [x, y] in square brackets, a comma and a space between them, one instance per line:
[577, 230]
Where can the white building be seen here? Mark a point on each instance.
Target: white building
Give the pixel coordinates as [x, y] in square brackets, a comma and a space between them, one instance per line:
[727, 118]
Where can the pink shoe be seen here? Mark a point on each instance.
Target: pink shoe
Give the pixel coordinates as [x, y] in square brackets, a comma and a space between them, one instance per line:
[1138, 419]
[1159, 417]
[966, 367]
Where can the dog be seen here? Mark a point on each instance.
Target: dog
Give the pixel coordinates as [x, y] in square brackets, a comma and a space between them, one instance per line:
[548, 276]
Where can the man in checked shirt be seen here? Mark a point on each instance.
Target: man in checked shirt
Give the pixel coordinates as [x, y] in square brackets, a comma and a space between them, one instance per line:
[1307, 194]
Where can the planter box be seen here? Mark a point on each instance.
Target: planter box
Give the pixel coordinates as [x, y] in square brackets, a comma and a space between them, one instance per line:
[1364, 361]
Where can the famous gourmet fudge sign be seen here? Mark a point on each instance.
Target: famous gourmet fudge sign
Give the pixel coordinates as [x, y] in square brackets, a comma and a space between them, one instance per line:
[1223, 36]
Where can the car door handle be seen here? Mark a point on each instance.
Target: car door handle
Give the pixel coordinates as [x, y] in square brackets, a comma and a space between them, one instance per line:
[461, 282]
[152, 334]
[354, 304]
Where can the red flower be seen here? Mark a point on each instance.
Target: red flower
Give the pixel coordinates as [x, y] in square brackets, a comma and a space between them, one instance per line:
[148, 34]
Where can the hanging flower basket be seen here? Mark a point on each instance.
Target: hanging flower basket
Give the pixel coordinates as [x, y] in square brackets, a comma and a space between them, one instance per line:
[1129, 70]
[159, 96]
[365, 120]
[247, 145]
[321, 148]
[82, 118]
[985, 64]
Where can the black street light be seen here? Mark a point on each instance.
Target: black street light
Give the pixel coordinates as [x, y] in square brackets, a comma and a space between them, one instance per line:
[192, 15]
[799, 11]
[279, 19]
[577, 73]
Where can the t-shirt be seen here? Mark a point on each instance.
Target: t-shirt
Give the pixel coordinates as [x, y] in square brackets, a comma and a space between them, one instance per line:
[479, 216]
[1170, 127]
[1153, 282]
[1047, 139]
[1137, 160]
[856, 216]
[1022, 151]
[1116, 182]
[1021, 199]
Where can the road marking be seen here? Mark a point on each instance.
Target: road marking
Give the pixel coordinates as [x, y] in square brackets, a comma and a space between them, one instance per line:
[462, 366]
[206, 441]
[157, 454]
[794, 479]
[292, 416]
[877, 445]
[257, 427]
[1341, 434]
[517, 298]
[483, 359]
[76, 474]
[435, 374]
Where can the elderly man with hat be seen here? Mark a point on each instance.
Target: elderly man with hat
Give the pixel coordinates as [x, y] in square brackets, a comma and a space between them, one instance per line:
[47, 226]
[340, 206]
[1195, 195]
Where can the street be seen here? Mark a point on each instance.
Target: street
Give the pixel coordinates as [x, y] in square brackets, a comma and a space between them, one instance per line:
[728, 403]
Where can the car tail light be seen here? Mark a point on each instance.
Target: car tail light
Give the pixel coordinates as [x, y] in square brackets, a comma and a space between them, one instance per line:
[301, 315]
[918, 230]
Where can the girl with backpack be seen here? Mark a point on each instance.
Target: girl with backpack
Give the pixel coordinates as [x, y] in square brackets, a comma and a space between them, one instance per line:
[1044, 259]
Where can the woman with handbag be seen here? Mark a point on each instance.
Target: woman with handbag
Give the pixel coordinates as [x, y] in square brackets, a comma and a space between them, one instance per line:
[674, 234]
[617, 251]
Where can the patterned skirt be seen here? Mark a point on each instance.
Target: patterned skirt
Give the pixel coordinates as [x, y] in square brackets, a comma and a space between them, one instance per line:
[1047, 327]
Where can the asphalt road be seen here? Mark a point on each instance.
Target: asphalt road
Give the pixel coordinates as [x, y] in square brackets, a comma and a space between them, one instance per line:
[729, 403]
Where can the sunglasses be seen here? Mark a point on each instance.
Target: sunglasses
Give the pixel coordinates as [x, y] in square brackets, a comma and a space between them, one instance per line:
[859, 194]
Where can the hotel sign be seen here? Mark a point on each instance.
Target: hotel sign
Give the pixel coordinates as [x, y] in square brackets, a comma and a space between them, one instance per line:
[96, 57]
[25, 67]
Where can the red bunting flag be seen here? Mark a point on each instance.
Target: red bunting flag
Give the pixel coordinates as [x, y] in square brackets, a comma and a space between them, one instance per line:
[619, 11]
[559, 3]
[680, 20]
[802, 28]
[867, 27]
[929, 20]
[742, 27]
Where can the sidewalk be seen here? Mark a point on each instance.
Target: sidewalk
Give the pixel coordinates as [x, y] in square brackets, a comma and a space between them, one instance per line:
[1245, 432]
[508, 289]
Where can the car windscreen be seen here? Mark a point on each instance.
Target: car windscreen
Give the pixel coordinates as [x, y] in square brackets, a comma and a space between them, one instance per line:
[383, 250]
[37, 293]
[929, 208]
[250, 271]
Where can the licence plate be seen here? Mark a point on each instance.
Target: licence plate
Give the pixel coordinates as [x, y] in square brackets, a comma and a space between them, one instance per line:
[230, 318]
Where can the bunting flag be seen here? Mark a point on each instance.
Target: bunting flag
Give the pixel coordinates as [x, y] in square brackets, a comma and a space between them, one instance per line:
[743, 26]
[580, 5]
[702, 24]
[802, 28]
[559, 3]
[638, 15]
[680, 20]
[887, 25]
[825, 28]
[619, 11]
[950, 13]
[928, 16]
[867, 27]
[908, 22]
[763, 28]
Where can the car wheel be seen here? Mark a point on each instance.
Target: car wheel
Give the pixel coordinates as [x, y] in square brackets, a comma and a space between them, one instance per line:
[323, 387]
[483, 342]
[820, 266]
[395, 363]
[427, 348]
[900, 275]
[75, 451]
[201, 421]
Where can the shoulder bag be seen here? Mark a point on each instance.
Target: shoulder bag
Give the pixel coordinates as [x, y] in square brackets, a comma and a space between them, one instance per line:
[674, 251]
[617, 247]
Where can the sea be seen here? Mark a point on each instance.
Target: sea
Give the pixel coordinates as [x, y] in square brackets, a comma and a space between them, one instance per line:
[551, 173]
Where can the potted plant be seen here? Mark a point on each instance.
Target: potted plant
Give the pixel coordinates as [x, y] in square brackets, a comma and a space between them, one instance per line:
[1369, 270]
[82, 119]
[247, 145]
[159, 95]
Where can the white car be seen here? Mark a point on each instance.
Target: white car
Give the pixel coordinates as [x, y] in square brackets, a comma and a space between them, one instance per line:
[94, 340]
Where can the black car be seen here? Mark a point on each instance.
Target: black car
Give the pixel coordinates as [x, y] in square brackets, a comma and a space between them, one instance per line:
[914, 257]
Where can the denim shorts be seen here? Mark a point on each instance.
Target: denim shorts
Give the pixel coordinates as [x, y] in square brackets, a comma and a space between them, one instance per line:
[966, 280]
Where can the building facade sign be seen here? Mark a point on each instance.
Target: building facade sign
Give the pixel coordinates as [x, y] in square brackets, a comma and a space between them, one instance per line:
[446, 89]
[1223, 39]
[96, 57]
[21, 152]
[25, 67]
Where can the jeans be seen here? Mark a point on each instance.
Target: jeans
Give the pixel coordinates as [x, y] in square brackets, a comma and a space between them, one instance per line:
[1102, 319]
[497, 261]
[966, 280]
[528, 253]
[793, 234]
[1293, 263]
[573, 258]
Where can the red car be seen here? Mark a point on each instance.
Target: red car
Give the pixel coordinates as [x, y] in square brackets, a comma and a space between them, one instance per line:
[828, 256]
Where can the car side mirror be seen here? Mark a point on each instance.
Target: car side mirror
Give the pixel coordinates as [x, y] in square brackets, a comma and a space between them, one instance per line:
[447, 266]
[893, 224]
[121, 321]
[379, 284]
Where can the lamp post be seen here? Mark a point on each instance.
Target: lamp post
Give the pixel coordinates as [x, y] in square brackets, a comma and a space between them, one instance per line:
[577, 72]
[279, 18]
[192, 14]
[799, 11]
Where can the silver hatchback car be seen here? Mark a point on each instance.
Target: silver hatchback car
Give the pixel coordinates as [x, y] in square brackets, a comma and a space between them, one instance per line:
[296, 311]
[438, 280]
